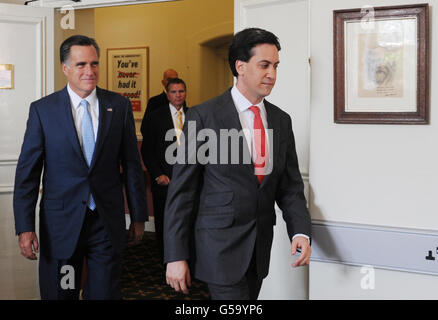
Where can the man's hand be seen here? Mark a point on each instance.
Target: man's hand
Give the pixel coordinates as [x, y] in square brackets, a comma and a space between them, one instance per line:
[136, 231]
[28, 242]
[303, 244]
[178, 276]
[163, 180]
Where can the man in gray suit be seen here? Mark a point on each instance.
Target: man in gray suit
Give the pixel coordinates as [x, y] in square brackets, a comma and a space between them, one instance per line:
[223, 207]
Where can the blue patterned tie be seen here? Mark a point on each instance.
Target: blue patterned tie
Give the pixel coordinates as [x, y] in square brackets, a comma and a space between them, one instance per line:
[88, 142]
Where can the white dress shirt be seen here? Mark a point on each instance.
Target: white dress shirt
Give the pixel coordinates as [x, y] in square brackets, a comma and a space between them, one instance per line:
[174, 113]
[78, 111]
[246, 117]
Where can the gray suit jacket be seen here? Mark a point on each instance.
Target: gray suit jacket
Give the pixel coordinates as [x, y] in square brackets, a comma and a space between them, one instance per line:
[229, 213]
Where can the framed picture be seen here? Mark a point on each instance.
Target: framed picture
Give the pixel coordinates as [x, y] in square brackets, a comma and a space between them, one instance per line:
[128, 74]
[6, 76]
[381, 67]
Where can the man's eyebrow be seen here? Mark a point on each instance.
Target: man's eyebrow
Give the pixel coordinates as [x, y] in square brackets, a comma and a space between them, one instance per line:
[267, 61]
[81, 63]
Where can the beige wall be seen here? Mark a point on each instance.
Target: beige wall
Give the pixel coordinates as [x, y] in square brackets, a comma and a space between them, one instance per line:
[188, 36]
[84, 24]
[174, 33]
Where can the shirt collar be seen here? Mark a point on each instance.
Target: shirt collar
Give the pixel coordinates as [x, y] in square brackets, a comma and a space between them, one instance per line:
[174, 110]
[76, 99]
[241, 102]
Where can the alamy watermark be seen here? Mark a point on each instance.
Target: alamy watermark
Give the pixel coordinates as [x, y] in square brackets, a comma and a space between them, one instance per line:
[368, 281]
[67, 281]
[68, 19]
[68, 12]
[367, 22]
[223, 146]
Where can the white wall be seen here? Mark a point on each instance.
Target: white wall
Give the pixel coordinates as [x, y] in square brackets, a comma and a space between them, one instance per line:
[359, 175]
[32, 57]
[330, 281]
[288, 20]
[381, 175]
[373, 174]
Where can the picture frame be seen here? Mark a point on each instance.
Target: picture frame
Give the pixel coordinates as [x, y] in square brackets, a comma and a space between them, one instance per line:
[381, 65]
[6, 76]
[128, 75]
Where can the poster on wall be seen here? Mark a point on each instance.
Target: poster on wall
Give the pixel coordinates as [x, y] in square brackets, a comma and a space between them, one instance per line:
[381, 72]
[128, 75]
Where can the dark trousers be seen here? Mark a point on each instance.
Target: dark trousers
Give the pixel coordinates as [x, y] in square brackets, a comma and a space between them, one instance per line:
[159, 195]
[61, 279]
[248, 288]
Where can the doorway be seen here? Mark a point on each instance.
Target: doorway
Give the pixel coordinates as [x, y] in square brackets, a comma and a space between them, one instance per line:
[216, 76]
[29, 77]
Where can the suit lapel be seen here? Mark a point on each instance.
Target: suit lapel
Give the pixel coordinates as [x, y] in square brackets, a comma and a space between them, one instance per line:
[228, 113]
[230, 120]
[168, 119]
[68, 122]
[273, 125]
[168, 124]
[105, 116]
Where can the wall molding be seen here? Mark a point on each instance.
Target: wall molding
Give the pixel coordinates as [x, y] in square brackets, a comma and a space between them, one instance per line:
[399, 249]
[8, 162]
[7, 165]
[6, 189]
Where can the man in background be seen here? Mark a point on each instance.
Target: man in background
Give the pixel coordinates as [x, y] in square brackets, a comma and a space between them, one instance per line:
[161, 99]
[167, 117]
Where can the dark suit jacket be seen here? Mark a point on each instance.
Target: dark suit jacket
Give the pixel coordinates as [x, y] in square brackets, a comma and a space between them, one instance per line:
[154, 145]
[157, 101]
[51, 146]
[153, 104]
[236, 214]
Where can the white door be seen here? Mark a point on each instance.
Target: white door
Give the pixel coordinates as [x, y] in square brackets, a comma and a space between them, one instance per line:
[26, 43]
[288, 20]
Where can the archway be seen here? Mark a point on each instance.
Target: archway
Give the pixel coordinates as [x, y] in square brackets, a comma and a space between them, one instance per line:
[216, 75]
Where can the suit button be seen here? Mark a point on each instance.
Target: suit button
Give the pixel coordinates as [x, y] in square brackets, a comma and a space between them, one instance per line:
[84, 202]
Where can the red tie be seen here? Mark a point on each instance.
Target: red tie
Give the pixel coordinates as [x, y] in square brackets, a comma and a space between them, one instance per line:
[260, 144]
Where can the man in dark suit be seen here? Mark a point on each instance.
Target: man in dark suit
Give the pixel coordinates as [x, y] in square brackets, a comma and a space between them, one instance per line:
[228, 202]
[159, 100]
[79, 138]
[165, 119]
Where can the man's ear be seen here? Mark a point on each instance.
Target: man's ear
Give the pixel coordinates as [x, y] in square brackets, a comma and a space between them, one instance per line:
[240, 67]
[64, 68]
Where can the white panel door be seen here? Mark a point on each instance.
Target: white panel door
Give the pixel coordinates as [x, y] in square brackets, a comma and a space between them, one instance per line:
[27, 44]
[288, 20]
